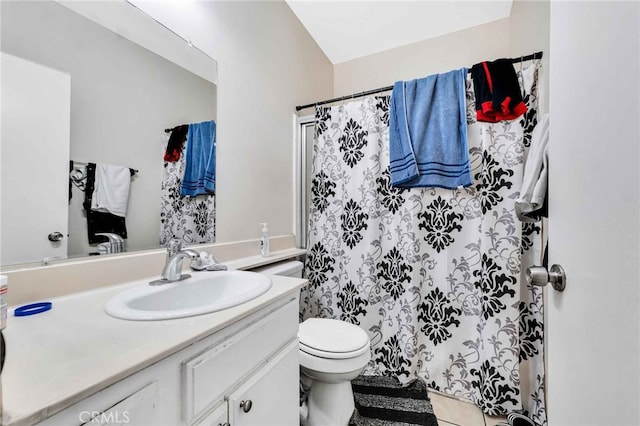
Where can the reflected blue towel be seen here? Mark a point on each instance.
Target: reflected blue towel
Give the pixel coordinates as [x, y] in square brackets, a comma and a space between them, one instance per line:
[200, 160]
[428, 132]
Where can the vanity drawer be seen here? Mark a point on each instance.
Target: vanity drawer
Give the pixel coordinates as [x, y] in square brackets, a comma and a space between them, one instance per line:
[115, 405]
[137, 409]
[208, 375]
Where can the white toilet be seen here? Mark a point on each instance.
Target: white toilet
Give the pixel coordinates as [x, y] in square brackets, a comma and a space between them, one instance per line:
[332, 353]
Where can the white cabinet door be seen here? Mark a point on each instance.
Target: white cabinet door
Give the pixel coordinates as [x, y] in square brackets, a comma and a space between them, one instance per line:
[217, 417]
[36, 107]
[270, 396]
[210, 375]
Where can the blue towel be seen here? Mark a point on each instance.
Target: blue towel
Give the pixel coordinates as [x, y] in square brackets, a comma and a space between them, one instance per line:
[200, 160]
[428, 132]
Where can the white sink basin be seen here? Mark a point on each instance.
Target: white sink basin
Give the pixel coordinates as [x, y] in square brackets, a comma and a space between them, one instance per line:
[203, 293]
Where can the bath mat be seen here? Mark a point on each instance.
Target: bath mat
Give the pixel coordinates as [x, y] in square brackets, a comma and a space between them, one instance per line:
[383, 401]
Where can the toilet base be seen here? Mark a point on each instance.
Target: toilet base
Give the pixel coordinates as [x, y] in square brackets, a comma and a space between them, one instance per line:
[329, 404]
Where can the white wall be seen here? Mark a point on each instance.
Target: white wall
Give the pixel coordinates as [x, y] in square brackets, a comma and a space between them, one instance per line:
[122, 98]
[525, 31]
[267, 64]
[594, 214]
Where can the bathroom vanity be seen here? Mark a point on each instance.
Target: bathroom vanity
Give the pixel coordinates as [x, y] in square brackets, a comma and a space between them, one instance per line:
[75, 364]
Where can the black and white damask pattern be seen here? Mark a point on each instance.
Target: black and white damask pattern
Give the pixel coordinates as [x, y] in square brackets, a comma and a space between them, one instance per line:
[351, 304]
[391, 355]
[391, 196]
[491, 179]
[435, 276]
[190, 219]
[530, 118]
[321, 190]
[393, 273]
[437, 316]
[495, 390]
[354, 221]
[318, 266]
[493, 286]
[351, 142]
[440, 221]
[323, 117]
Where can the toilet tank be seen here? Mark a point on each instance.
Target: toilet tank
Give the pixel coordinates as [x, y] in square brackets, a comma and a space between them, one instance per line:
[289, 268]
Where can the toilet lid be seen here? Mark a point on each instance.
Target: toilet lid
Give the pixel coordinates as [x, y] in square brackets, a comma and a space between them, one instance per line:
[331, 338]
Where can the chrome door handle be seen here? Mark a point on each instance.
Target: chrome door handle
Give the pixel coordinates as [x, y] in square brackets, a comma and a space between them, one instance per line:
[538, 275]
[55, 236]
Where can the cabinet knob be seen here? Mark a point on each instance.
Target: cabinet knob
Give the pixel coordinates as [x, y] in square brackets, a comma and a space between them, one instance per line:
[246, 405]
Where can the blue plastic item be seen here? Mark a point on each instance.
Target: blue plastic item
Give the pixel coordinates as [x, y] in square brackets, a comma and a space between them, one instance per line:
[32, 309]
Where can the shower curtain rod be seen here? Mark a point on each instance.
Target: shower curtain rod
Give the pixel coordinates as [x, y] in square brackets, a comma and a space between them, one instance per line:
[536, 55]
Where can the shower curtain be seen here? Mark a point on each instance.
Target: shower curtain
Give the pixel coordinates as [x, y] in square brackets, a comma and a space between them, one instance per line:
[435, 276]
[190, 219]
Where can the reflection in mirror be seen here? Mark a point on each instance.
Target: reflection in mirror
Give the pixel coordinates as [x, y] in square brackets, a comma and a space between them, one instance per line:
[75, 93]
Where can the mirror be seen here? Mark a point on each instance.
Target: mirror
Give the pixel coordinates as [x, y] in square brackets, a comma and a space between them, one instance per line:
[119, 98]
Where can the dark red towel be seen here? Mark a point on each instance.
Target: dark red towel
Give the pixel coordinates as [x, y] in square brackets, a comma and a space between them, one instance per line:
[176, 141]
[497, 90]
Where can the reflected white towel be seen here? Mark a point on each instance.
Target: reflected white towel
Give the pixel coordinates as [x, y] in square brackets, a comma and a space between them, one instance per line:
[534, 183]
[111, 190]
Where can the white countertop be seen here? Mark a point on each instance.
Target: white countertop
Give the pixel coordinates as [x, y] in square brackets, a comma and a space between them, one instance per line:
[59, 357]
[255, 261]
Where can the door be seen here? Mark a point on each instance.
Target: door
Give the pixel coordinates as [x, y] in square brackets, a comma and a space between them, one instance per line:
[593, 326]
[270, 397]
[36, 103]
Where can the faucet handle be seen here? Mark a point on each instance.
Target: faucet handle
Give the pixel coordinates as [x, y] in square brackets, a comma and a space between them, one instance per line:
[115, 243]
[113, 238]
[173, 246]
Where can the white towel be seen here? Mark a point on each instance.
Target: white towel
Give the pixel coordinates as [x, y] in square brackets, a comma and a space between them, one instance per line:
[534, 183]
[111, 190]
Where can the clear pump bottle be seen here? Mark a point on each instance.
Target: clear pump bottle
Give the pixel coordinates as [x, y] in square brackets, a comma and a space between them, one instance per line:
[264, 241]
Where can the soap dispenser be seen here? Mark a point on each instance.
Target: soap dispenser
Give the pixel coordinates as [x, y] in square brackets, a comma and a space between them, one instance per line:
[264, 241]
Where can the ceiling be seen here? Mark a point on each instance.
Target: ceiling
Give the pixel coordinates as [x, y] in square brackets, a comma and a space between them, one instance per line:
[347, 30]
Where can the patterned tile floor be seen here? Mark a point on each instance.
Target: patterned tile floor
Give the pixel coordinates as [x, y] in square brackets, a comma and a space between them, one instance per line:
[454, 412]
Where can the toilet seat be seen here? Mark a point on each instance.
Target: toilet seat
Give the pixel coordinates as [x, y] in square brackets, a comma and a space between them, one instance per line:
[333, 355]
[323, 368]
[332, 339]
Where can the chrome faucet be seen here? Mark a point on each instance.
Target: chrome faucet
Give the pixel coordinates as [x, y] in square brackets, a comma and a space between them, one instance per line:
[115, 243]
[172, 270]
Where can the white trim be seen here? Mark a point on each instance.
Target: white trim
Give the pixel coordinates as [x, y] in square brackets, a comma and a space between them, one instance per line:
[301, 173]
[296, 182]
[136, 25]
